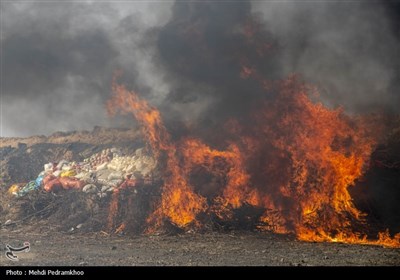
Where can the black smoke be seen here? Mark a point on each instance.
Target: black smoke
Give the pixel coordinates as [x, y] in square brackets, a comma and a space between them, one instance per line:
[58, 58]
[347, 49]
[204, 48]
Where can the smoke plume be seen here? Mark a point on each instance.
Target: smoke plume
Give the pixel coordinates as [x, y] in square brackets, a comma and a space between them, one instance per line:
[190, 58]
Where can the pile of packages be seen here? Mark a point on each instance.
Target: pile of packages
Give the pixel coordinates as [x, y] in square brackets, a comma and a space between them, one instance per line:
[102, 173]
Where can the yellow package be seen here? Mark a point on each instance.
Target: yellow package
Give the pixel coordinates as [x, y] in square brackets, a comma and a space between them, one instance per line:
[68, 173]
[13, 190]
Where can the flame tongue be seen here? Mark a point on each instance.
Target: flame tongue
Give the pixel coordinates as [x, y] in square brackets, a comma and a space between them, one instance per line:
[320, 170]
[237, 189]
[178, 203]
[315, 155]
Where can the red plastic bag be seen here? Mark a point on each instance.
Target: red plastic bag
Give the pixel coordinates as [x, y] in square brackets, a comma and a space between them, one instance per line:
[71, 183]
[48, 178]
[52, 185]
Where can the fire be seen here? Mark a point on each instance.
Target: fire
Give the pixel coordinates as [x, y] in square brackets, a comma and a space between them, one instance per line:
[384, 238]
[320, 153]
[178, 203]
[237, 190]
[297, 161]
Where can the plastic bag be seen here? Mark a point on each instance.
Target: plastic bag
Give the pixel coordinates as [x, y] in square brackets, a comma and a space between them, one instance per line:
[90, 188]
[13, 190]
[68, 173]
[71, 183]
[53, 184]
[61, 164]
[48, 178]
[103, 174]
[57, 173]
[115, 176]
[39, 180]
[48, 167]
[102, 166]
[31, 186]
[107, 189]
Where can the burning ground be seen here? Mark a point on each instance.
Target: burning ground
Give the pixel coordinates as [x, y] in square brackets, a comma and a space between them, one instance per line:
[238, 143]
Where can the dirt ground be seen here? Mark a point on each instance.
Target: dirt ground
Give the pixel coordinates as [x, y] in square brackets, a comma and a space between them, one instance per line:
[49, 248]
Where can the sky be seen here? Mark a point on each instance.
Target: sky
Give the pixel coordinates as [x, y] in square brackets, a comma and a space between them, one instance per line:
[58, 57]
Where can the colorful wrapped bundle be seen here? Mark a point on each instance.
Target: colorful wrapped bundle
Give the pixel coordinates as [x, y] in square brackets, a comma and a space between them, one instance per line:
[31, 186]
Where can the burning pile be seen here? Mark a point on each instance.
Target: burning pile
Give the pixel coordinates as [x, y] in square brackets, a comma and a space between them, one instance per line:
[98, 191]
[296, 161]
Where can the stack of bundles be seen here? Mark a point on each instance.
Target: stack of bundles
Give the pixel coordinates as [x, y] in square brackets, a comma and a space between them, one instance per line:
[101, 173]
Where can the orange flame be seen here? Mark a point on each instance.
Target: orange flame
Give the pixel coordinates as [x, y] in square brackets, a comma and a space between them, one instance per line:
[296, 161]
[321, 153]
[178, 203]
[237, 190]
